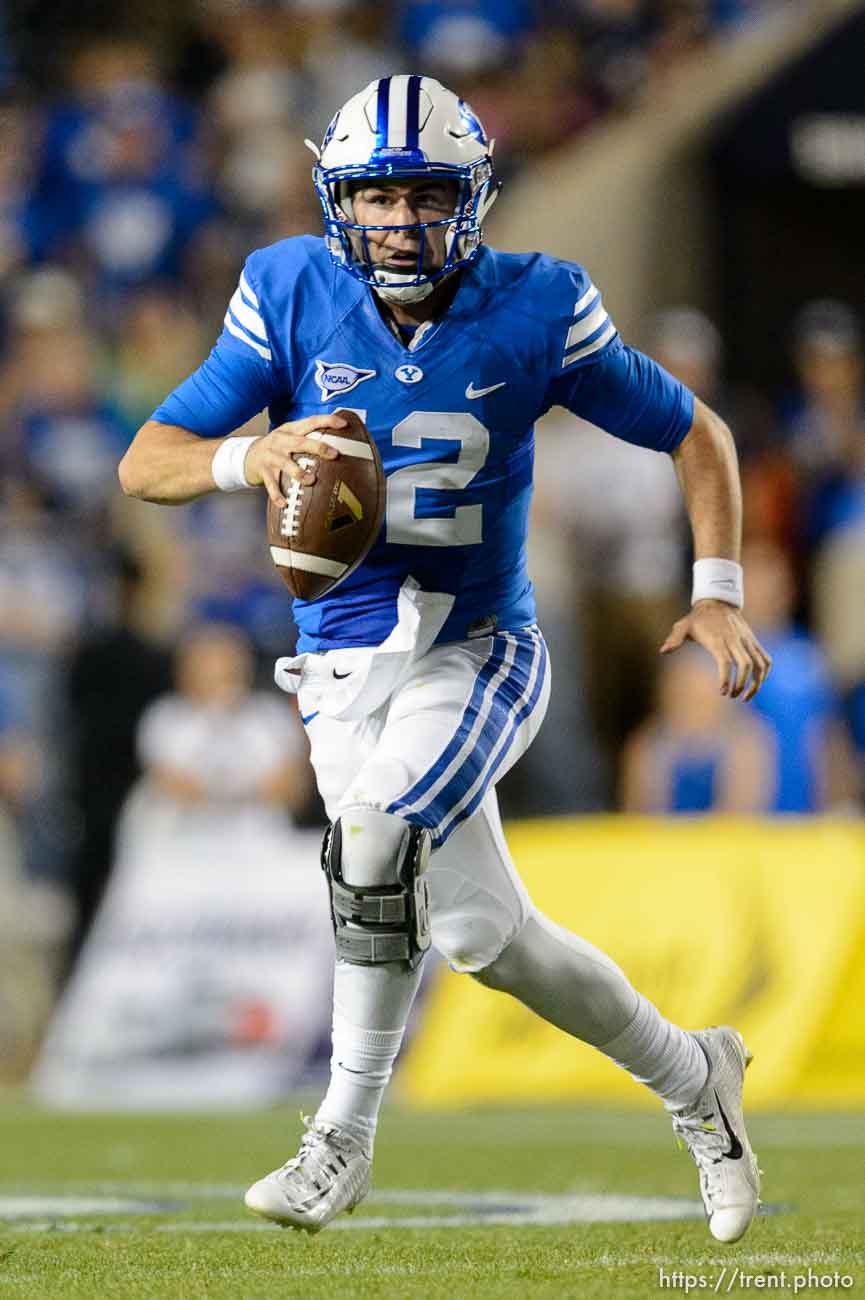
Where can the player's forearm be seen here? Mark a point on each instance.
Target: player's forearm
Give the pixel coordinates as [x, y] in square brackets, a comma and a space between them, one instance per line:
[708, 473]
[168, 465]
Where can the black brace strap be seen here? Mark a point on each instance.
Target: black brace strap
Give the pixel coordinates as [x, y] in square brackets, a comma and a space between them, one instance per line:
[373, 924]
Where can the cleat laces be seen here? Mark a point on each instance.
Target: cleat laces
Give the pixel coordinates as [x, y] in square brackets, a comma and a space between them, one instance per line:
[707, 1146]
[322, 1157]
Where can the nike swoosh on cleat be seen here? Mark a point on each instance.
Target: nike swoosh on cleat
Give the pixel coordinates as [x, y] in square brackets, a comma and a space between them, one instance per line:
[472, 392]
[735, 1152]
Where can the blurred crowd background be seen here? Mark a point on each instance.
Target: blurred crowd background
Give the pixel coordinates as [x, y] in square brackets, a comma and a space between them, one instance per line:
[146, 151]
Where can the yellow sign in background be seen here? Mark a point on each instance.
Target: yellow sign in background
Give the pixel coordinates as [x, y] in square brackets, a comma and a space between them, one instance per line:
[718, 921]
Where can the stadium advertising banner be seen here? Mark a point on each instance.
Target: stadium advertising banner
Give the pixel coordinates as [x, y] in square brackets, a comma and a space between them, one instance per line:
[206, 980]
[755, 924]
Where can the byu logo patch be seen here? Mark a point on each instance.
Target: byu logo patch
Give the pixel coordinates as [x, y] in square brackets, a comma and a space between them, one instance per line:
[408, 374]
[337, 377]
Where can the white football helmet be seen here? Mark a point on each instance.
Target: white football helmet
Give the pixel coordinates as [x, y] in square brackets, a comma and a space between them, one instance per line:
[402, 127]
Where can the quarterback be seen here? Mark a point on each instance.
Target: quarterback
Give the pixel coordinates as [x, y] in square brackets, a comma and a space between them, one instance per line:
[423, 676]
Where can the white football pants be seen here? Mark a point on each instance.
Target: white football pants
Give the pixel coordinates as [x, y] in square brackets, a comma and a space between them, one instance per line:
[431, 754]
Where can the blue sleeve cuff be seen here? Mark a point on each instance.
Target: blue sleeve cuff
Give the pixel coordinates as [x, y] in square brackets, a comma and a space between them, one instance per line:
[220, 396]
[630, 396]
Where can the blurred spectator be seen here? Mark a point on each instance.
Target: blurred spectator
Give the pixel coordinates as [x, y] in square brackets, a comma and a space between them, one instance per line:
[465, 36]
[118, 187]
[838, 574]
[560, 772]
[44, 599]
[345, 44]
[19, 760]
[689, 345]
[686, 342]
[698, 752]
[21, 771]
[262, 83]
[48, 584]
[823, 423]
[216, 748]
[257, 106]
[158, 343]
[34, 924]
[798, 701]
[626, 566]
[14, 165]
[229, 576]
[532, 102]
[112, 675]
[825, 428]
[615, 36]
[62, 430]
[35, 910]
[630, 46]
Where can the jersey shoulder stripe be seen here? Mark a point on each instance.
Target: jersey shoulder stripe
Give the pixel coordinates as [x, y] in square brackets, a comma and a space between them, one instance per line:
[300, 296]
[591, 328]
[244, 319]
[541, 288]
[247, 317]
[246, 290]
[238, 333]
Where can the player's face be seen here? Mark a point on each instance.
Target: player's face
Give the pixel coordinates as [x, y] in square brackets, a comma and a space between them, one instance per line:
[405, 203]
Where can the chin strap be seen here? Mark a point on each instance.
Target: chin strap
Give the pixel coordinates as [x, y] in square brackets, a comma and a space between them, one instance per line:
[399, 293]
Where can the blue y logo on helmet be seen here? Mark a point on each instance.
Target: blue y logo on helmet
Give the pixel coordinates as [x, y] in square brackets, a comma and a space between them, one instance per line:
[471, 123]
[337, 377]
[328, 135]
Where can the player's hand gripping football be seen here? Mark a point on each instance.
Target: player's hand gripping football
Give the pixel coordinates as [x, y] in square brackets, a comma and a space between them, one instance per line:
[273, 455]
[743, 664]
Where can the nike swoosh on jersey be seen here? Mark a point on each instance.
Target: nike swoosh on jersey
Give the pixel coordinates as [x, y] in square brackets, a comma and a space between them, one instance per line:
[472, 392]
[339, 676]
[735, 1152]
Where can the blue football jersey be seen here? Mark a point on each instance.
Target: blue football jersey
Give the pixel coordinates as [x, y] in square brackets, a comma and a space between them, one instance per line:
[452, 412]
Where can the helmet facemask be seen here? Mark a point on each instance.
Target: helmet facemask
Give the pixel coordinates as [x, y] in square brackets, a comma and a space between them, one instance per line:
[348, 240]
[397, 129]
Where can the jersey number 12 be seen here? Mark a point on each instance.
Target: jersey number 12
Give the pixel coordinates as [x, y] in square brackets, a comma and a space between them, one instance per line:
[464, 527]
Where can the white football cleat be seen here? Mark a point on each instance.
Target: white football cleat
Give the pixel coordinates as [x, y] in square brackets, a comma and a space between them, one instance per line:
[329, 1174]
[713, 1130]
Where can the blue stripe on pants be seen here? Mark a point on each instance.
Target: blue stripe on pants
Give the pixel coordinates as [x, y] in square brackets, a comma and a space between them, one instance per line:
[453, 747]
[517, 719]
[502, 714]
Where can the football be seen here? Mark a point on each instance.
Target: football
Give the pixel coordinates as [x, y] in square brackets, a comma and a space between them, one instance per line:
[328, 527]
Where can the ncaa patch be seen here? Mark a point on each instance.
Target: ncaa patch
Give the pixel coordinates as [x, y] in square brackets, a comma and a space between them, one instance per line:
[337, 377]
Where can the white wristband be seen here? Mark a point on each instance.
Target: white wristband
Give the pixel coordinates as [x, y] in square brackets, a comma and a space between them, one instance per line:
[718, 580]
[227, 464]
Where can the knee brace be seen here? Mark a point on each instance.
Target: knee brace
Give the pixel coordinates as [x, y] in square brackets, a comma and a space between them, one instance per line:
[374, 924]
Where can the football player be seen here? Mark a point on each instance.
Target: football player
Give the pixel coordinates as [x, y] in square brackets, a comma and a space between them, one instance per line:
[423, 677]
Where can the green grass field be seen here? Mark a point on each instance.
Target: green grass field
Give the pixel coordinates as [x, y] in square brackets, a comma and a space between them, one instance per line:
[487, 1204]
